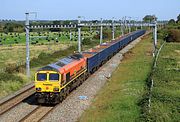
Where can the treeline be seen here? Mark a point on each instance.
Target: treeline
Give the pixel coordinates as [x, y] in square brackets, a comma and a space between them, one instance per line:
[7, 26]
[172, 31]
[11, 26]
[175, 22]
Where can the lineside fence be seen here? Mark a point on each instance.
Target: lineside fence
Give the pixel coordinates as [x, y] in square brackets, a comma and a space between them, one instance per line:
[150, 79]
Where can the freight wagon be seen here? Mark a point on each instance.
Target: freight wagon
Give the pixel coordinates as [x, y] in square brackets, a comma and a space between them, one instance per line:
[99, 55]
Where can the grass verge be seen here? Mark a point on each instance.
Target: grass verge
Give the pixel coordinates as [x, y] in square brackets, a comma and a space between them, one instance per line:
[118, 100]
[165, 105]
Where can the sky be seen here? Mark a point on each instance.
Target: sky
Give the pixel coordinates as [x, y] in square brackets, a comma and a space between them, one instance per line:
[89, 9]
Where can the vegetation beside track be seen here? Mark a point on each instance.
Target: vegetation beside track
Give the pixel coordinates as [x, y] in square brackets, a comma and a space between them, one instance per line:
[165, 99]
[120, 97]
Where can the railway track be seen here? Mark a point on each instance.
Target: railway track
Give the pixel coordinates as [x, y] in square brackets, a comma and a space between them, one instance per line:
[14, 100]
[37, 114]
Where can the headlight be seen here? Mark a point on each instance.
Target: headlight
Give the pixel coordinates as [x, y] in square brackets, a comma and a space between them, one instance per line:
[38, 89]
[56, 89]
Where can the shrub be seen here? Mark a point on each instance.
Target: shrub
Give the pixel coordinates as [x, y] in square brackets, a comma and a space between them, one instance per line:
[10, 77]
[173, 35]
[11, 67]
[86, 41]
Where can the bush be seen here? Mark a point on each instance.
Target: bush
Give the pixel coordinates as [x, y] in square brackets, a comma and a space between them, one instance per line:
[162, 34]
[173, 35]
[87, 41]
[10, 77]
[44, 58]
[11, 68]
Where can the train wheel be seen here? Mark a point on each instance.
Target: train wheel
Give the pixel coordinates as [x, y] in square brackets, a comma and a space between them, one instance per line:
[68, 90]
[82, 78]
[74, 84]
[96, 68]
[71, 87]
[87, 75]
[78, 81]
[61, 98]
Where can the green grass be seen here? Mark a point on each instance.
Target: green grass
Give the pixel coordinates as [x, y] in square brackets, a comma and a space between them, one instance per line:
[11, 53]
[41, 37]
[166, 91]
[118, 100]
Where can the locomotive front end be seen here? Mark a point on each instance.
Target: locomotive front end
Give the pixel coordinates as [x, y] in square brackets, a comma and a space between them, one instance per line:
[47, 85]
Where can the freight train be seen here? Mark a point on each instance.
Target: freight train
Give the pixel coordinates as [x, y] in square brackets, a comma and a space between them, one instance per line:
[55, 81]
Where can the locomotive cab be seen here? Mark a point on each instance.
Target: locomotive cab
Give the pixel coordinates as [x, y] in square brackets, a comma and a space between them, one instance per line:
[47, 86]
[47, 81]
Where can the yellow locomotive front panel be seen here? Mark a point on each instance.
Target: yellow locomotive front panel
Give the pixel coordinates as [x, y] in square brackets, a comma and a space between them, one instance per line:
[47, 81]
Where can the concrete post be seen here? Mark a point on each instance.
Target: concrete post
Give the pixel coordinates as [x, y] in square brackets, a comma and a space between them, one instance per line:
[101, 32]
[79, 36]
[121, 26]
[113, 29]
[27, 45]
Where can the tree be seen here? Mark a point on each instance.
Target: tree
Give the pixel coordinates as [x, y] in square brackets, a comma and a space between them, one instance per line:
[11, 27]
[171, 21]
[66, 22]
[1, 27]
[178, 18]
[56, 22]
[149, 18]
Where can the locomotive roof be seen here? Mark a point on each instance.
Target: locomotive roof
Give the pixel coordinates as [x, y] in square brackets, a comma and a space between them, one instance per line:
[62, 62]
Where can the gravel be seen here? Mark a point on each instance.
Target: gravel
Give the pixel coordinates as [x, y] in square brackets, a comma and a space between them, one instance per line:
[81, 98]
[18, 112]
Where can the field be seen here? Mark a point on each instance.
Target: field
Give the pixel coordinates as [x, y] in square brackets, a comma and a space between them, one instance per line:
[165, 104]
[13, 49]
[119, 99]
[41, 37]
[17, 53]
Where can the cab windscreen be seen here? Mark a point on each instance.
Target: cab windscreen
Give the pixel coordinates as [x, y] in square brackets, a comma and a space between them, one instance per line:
[54, 77]
[41, 76]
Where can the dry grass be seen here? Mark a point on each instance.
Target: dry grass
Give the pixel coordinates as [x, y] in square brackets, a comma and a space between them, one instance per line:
[16, 54]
